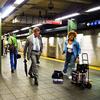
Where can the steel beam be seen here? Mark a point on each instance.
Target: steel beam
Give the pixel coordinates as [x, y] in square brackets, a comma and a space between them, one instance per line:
[0, 43]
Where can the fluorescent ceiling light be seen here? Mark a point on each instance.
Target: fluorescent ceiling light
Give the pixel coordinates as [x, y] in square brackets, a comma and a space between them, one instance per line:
[93, 9]
[7, 11]
[15, 31]
[67, 16]
[22, 35]
[17, 2]
[36, 25]
[25, 28]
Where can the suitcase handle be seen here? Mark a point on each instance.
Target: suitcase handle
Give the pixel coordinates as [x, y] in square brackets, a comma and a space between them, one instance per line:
[85, 59]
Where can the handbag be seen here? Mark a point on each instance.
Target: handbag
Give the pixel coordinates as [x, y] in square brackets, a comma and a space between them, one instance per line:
[18, 56]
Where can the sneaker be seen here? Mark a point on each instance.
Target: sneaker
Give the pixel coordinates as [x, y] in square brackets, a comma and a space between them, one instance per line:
[38, 62]
[65, 74]
[70, 77]
[31, 76]
[36, 81]
[12, 70]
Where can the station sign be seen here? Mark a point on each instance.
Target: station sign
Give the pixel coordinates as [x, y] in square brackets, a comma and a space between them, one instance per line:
[53, 22]
[94, 23]
[72, 25]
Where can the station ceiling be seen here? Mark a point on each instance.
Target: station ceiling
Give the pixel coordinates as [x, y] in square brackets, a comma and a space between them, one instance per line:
[35, 10]
[2, 2]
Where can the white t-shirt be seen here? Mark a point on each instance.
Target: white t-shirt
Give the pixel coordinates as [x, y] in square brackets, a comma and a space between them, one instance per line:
[70, 48]
[36, 43]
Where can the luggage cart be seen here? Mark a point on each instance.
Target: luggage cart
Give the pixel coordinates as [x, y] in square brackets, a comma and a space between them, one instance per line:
[80, 76]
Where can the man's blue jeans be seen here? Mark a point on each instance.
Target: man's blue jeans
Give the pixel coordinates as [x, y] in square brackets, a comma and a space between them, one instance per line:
[69, 64]
[13, 59]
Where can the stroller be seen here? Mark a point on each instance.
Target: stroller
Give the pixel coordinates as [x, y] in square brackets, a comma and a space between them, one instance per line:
[80, 76]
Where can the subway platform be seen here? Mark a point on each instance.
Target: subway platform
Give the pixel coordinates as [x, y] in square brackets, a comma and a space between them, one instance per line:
[19, 87]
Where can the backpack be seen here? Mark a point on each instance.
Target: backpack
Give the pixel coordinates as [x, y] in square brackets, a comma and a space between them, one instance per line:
[11, 46]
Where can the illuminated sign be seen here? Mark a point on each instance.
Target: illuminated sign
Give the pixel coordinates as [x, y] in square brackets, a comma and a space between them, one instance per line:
[94, 23]
[53, 22]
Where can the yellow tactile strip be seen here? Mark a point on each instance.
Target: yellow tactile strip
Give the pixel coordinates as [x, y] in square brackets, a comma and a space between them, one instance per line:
[91, 67]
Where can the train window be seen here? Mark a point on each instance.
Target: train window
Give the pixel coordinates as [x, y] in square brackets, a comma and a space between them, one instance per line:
[44, 40]
[98, 40]
[60, 42]
[51, 41]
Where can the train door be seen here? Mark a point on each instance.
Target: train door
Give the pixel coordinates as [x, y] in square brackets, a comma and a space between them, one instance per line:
[51, 52]
[44, 52]
[60, 46]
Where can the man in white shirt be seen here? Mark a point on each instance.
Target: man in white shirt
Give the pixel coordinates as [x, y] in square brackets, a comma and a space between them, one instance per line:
[33, 47]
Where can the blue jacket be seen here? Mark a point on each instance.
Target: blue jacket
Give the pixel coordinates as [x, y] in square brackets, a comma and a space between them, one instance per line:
[76, 48]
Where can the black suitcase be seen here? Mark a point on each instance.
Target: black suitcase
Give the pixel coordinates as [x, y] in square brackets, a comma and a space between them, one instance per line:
[57, 74]
[57, 77]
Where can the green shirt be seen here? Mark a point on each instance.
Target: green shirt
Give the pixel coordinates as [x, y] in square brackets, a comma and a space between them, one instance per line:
[13, 40]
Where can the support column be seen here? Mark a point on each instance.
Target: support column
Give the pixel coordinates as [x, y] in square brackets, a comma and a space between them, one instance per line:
[0, 42]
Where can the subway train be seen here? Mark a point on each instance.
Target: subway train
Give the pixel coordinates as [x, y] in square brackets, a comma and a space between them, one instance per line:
[53, 44]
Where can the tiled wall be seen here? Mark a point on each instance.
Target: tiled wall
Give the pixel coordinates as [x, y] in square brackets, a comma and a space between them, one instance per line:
[90, 44]
[89, 41]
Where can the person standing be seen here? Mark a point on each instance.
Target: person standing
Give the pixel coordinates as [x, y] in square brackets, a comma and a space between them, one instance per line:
[72, 51]
[13, 51]
[33, 48]
[5, 43]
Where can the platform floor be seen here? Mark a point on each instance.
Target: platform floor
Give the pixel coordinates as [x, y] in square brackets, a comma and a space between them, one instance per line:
[19, 87]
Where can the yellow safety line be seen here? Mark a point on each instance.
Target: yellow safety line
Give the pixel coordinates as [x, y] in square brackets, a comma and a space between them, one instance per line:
[94, 68]
[52, 59]
[91, 67]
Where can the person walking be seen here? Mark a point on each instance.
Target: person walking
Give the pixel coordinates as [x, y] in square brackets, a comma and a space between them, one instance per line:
[72, 51]
[33, 48]
[13, 51]
[38, 56]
